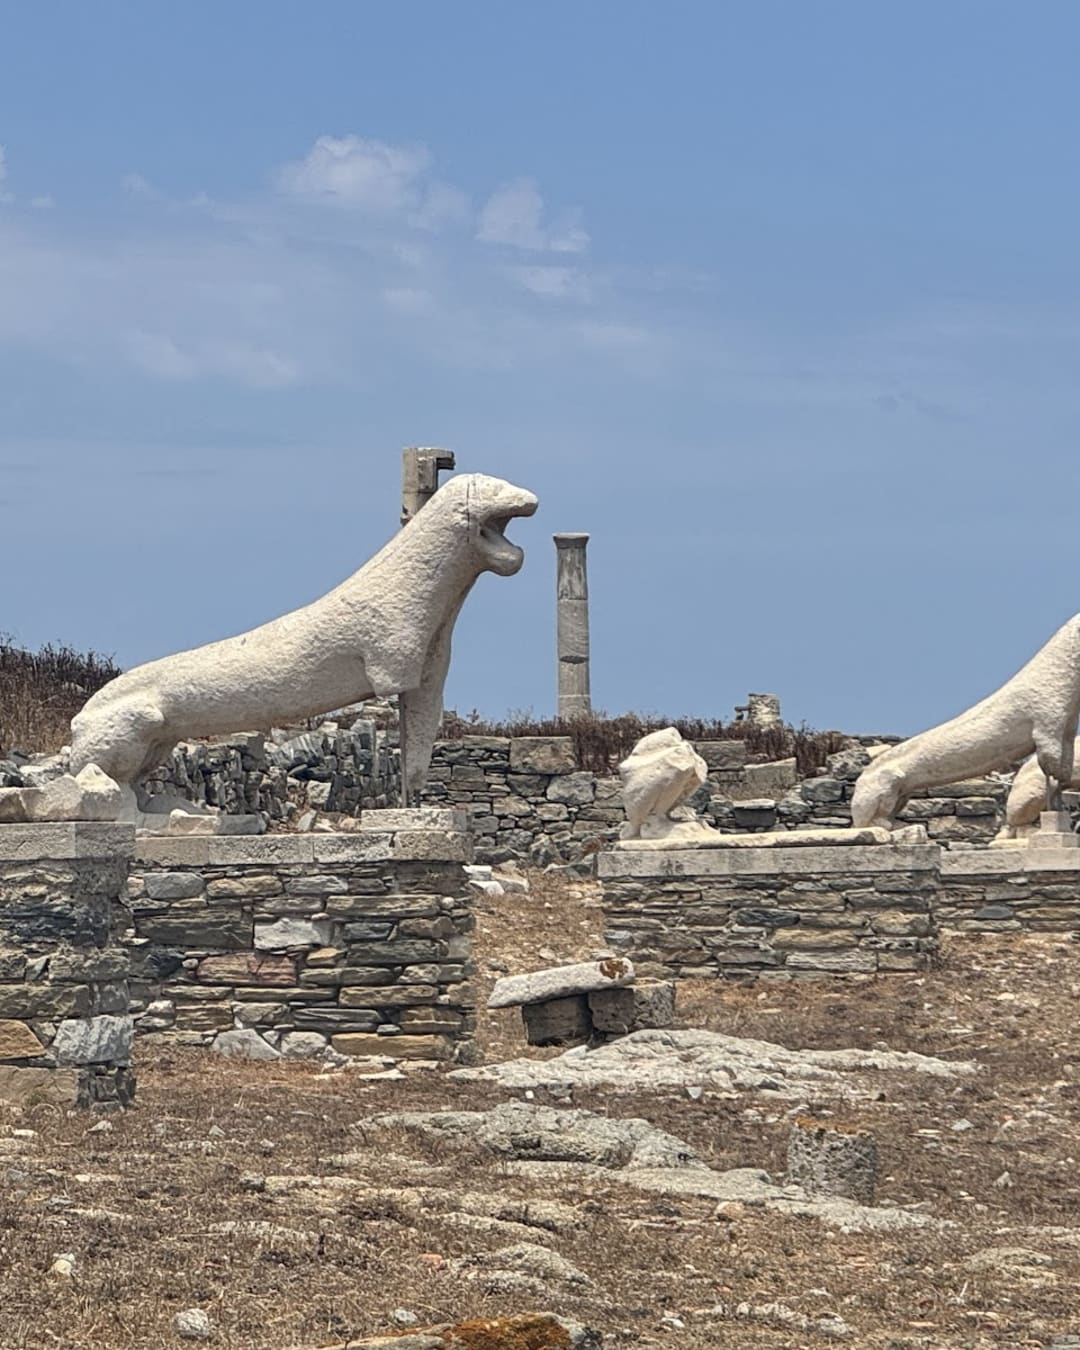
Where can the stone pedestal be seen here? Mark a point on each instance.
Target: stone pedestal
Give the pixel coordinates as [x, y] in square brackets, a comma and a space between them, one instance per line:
[1055, 831]
[65, 1029]
[297, 944]
[572, 615]
[775, 911]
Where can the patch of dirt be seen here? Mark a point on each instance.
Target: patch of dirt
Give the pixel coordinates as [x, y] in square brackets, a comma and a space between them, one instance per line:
[252, 1192]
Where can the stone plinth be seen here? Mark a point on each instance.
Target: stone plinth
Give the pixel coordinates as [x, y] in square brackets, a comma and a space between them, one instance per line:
[293, 944]
[65, 1029]
[780, 912]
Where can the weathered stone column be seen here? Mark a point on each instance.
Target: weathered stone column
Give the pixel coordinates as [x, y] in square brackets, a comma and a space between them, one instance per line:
[420, 469]
[65, 1028]
[572, 620]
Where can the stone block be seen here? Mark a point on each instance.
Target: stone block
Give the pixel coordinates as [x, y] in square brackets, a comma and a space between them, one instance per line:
[199, 932]
[433, 846]
[542, 754]
[243, 1043]
[266, 850]
[572, 789]
[367, 846]
[17, 1041]
[285, 933]
[826, 1160]
[722, 755]
[646, 1005]
[64, 840]
[94, 1040]
[396, 1047]
[763, 780]
[856, 961]
[250, 968]
[558, 1021]
[446, 819]
[561, 981]
[173, 885]
[32, 1086]
[250, 886]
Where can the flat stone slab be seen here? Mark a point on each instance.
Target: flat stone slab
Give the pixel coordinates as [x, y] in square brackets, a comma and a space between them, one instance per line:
[66, 839]
[870, 835]
[646, 1060]
[769, 859]
[394, 818]
[515, 991]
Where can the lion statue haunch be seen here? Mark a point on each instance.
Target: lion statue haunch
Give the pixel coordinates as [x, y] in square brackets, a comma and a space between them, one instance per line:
[1028, 794]
[386, 630]
[1036, 711]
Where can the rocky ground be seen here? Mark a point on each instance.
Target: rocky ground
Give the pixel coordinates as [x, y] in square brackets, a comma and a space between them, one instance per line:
[296, 1208]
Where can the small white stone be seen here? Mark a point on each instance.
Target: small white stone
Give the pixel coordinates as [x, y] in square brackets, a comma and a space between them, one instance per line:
[193, 1325]
[63, 1265]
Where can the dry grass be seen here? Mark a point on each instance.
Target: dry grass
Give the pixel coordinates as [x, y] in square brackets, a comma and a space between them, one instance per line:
[40, 692]
[140, 1206]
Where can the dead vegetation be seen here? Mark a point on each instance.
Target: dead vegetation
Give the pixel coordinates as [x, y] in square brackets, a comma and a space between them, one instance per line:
[40, 692]
[601, 741]
[257, 1193]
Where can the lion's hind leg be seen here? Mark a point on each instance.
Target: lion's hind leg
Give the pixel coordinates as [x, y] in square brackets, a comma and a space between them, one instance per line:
[122, 739]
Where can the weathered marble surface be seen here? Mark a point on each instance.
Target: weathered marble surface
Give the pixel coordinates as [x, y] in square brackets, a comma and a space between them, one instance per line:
[658, 776]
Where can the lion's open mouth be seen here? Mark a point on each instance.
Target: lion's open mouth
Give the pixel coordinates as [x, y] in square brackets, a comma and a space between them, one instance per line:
[503, 556]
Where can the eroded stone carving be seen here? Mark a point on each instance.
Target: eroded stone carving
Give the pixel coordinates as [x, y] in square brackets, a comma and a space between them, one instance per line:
[386, 630]
[1036, 711]
[659, 776]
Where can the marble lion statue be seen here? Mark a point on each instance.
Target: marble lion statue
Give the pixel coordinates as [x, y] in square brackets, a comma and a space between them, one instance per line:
[386, 630]
[658, 776]
[1034, 712]
[1028, 796]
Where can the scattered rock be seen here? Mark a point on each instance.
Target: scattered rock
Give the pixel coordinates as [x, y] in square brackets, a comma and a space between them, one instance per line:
[193, 1325]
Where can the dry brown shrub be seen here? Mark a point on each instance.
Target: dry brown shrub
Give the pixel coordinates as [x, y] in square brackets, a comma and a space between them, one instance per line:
[40, 692]
[601, 741]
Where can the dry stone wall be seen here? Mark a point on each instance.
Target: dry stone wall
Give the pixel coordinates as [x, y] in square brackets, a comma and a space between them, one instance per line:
[65, 1028]
[525, 796]
[776, 912]
[297, 945]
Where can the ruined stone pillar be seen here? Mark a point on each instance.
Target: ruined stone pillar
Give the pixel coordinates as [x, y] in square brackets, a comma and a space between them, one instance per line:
[65, 1025]
[572, 599]
[420, 469]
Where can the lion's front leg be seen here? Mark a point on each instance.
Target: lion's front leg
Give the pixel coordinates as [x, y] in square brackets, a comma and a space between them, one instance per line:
[422, 712]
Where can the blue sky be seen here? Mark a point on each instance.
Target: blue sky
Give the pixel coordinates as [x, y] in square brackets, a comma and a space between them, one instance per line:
[781, 302]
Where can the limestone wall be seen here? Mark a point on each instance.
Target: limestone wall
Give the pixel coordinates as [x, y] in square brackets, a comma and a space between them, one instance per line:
[65, 1032]
[295, 943]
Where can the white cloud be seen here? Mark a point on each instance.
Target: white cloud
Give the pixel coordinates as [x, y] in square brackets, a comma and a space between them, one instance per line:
[561, 283]
[159, 355]
[135, 185]
[350, 171]
[44, 203]
[407, 299]
[3, 164]
[514, 215]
